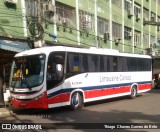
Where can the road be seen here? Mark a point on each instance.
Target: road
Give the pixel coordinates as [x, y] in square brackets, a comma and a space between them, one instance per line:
[143, 109]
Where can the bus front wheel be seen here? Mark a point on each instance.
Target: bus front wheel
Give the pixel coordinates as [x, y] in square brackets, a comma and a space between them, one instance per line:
[76, 101]
[133, 92]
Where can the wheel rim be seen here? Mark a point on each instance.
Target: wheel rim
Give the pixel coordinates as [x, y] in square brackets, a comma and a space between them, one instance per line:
[75, 100]
[133, 92]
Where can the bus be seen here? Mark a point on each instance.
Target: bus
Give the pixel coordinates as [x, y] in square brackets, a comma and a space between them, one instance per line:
[56, 76]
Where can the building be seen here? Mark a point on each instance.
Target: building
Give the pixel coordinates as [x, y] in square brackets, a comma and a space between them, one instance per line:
[115, 24]
[126, 25]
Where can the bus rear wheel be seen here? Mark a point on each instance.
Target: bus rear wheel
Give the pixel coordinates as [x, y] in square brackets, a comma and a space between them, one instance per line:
[76, 101]
[133, 92]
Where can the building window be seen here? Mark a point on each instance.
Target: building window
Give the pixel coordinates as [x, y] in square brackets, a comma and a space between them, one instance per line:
[127, 33]
[158, 17]
[116, 30]
[86, 21]
[137, 35]
[145, 13]
[65, 14]
[117, 3]
[127, 5]
[153, 16]
[136, 9]
[90, 5]
[103, 25]
[80, 2]
[152, 39]
[146, 39]
[30, 8]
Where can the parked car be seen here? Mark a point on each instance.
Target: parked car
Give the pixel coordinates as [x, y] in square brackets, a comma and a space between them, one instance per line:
[157, 83]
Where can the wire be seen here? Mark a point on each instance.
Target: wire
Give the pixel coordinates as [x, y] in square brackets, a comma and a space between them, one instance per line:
[3, 7]
[73, 40]
[10, 14]
[92, 36]
[11, 26]
[94, 46]
[12, 31]
[72, 28]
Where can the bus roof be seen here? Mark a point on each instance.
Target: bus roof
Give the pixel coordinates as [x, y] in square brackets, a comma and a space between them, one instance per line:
[92, 50]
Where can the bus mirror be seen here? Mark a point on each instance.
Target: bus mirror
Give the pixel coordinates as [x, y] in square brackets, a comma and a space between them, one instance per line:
[59, 70]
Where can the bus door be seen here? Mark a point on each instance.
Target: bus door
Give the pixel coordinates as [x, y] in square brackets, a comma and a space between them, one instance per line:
[55, 76]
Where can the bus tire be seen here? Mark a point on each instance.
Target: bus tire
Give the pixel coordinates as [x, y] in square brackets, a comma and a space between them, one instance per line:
[1, 92]
[133, 92]
[76, 101]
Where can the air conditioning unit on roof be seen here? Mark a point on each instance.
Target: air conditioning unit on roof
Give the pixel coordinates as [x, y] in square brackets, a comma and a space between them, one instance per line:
[64, 21]
[135, 44]
[138, 16]
[130, 34]
[49, 7]
[130, 12]
[145, 19]
[86, 18]
[11, 1]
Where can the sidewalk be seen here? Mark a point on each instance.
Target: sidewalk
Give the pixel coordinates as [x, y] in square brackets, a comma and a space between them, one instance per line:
[5, 110]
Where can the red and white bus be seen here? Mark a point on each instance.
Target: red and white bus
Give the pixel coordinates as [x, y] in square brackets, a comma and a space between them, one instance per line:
[57, 76]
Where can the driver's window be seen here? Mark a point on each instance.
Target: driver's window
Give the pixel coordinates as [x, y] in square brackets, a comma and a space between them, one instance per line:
[54, 77]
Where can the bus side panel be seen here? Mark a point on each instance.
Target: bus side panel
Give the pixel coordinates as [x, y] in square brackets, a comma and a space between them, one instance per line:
[144, 86]
[97, 86]
[59, 98]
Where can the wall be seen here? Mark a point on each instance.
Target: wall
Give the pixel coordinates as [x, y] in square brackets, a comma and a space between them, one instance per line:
[11, 23]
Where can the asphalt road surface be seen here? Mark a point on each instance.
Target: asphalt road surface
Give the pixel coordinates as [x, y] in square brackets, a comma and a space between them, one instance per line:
[143, 109]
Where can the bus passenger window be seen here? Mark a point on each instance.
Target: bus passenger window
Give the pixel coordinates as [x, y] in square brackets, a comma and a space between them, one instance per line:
[114, 64]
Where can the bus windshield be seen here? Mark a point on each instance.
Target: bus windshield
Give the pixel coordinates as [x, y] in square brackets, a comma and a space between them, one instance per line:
[27, 71]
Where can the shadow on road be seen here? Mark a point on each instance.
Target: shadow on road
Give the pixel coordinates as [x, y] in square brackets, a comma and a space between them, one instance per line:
[86, 115]
[155, 91]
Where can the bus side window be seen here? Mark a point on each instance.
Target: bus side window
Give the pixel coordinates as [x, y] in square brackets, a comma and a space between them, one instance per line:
[83, 63]
[101, 64]
[115, 64]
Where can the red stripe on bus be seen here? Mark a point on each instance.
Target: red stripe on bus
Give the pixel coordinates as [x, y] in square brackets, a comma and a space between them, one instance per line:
[106, 92]
[144, 86]
[97, 93]
[33, 103]
[64, 97]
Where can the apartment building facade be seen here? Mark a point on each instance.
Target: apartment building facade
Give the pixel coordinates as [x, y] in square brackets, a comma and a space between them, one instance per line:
[114, 24]
[126, 25]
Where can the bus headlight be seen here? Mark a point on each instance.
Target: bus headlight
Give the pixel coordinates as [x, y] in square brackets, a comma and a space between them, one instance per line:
[39, 96]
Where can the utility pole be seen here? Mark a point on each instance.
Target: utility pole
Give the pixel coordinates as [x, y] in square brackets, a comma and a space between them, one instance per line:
[39, 12]
[77, 22]
[55, 19]
[95, 15]
[39, 39]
